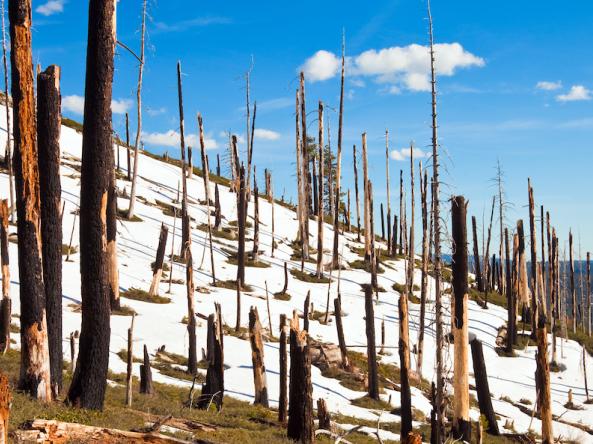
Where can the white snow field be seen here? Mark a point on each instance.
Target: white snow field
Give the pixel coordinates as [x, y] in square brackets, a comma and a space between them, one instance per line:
[157, 325]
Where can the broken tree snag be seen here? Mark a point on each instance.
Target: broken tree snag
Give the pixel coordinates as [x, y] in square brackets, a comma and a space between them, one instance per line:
[373, 389]
[366, 209]
[482, 387]
[255, 251]
[425, 259]
[336, 207]
[394, 236]
[302, 236]
[340, 329]
[213, 389]
[241, 217]
[192, 361]
[5, 401]
[319, 271]
[73, 357]
[477, 268]
[157, 268]
[573, 293]
[238, 316]
[300, 406]
[283, 398]
[306, 306]
[257, 358]
[35, 371]
[190, 162]
[217, 210]
[388, 192]
[356, 192]
[532, 235]
[461, 420]
[522, 286]
[488, 271]
[323, 415]
[185, 220]
[404, 357]
[129, 363]
[305, 162]
[129, 170]
[542, 375]
[5, 303]
[48, 135]
[511, 310]
[112, 268]
[382, 222]
[146, 375]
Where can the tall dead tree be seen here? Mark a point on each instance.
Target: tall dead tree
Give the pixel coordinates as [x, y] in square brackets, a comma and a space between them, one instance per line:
[139, 114]
[373, 381]
[157, 267]
[303, 237]
[588, 289]
[305, 161]
[477, 267]
[482, 387]
[573, 293]
[48, 135]
[206, 179]
[335, 256]
[542, 376]
[487, 269]
[283, 398]
[389, 251]
[241, 219]
[501, 207]
[90, 377]
[440, 383]
[255, 251]
[532, 236]
[366, 209]
[425, 259]
[8, 152]
[461, 420]
[320, 197]
[6, 302]
[410, 268]
[192, 357]
[185, 228]
[511, 307]
[340, 330]
[257, 358]
[356, 192]
[213, 389]
[300, 406]
[35, 370]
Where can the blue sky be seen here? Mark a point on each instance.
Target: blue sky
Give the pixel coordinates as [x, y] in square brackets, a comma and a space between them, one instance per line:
[515, 85]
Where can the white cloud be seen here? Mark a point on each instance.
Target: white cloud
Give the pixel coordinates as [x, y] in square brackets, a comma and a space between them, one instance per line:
[75, 104]
[403, 66]
[404, 153]
[156, 111]
[576, 93]
[322, 65]
[171, 138]
[549, 86]
[265, 134]
[51, 7]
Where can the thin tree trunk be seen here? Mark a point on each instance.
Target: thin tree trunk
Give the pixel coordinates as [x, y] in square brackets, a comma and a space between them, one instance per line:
[257, 358]
[366, 209]
[185, 228]
[425, 259]
[487, 269]
[173, 241]
[478, 269]
[382, 223]
[573, 293]
[320, 197]
[373, 385]
[112, 267]
[146, 375]
[213, 389]
[301, 202]
[241, 219]
[157, 268]
[305, 162]
[192, 360]
[48, 136]
[8, 153]
[206, 179]
[404, 358]
[255, 251]
[130, 362]
[389, 250]
[6, 302]
[217, 209]
[139, 115]
[482, 387]
[306, 307]
[356, 192]
[5, 404]
[283, 398]
[128, 155]
[90, 378]
[461, 420]
[588, 293]
[542, 376]
[35, 367]
[335, 257]
[300, 406]
[534, 286]
[340, 329]
[511, 310]
[238, 314]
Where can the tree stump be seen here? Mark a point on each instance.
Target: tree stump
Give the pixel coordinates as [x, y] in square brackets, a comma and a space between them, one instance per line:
[482, 387]
[213, 389]
[157, 269]
[146, 375]
[257, 358]
[323, 415]
[300, 407]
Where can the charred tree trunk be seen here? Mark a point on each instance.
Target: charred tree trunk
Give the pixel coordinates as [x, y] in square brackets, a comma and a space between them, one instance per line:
[206, 179]
[192, 360]
[217, 209]
[373, 389]
[305, 162]
[511, 310]
[300, 406]
[6, 302]
[306, 307]
[129, 363]
[35, 367]
[424, 279]
[283, 398]
[461, 420]
[257, 358]
[357, 198]
[573, 293]
[320, 196]
[190, 162]
[128, 155]
[48, 135]
[542, 375]
[366, 209]
[389, 251]
[404, 358]
[241, 219]
[157, 268]
[340, 329]
[255, 251]
[487, 269]
[382, 222]
[213, 389]
[146, 375]
[482, 387]
[185, 220]
[534, 286]
[477, 267]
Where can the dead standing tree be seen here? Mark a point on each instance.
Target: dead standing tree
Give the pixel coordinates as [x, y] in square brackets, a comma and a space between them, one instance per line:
[35, 367]
[185, 228]
[461, 421]
[48, 136]
[425, 259]
[257, 357]
[8, 153]
[90, 377]
[373, 384]
[6, 302]
[389, 251]
[356, 192]
[241, 219]
[534, 286]
[367, 199]
[319, 271]
[206, 179]
[213, 389]
[157, 266]
[139, 115]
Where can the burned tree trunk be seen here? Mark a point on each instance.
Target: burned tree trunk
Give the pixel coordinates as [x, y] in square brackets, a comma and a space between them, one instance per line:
[488, 271]
[482, 387]
[257, 358]
[404, 358]
[542, 375]
[389, 251]
[305, 162]
[48, 135]
[190, 162]
[112, 268]
[340, 329]
[157, 268]
[213, 389]
[6, 302]
[185, 220]
[35, 366]
[373, 389]
[9, 133]
[217, 209]
[300, 406]
[241, 219]
[461, 420]
[306, 306]
[128, 155]
[356, 192]
[511, 310]
[146, 375]
[238, 314]
[534, 286]
[573, 293]
[477, 267]
[130, 363]
[425, 259]
[319, 271]
[283, 398]
[255, 251]
[192, 359]
[366, 209]
[323, 415]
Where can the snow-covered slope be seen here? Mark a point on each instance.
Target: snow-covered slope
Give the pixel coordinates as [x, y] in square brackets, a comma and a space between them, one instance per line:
[158, 325]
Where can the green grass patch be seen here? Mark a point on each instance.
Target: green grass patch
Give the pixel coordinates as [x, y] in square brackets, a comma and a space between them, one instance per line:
[122, 214]
[309, 277]
[141, 295]
[231, 284]
[370, 403]
[249, 262]
[123, 355]
[234, 223]
[361, 264]
[377, 289]
[222, 233]
[282, 296]
[123, 310]
[66, 249]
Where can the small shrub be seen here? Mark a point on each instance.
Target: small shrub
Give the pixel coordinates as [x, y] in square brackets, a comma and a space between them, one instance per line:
[141, 295]
[309, 277]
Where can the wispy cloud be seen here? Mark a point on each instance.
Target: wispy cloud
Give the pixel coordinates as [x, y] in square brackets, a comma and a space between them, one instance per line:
[156, 111]
[404, 154]
[184, 25]
[405, 67]
[75, 104]
[266, 134]
[171, 138]
[51, 7]
[549, 86]
[576, 93]
[274, 104]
